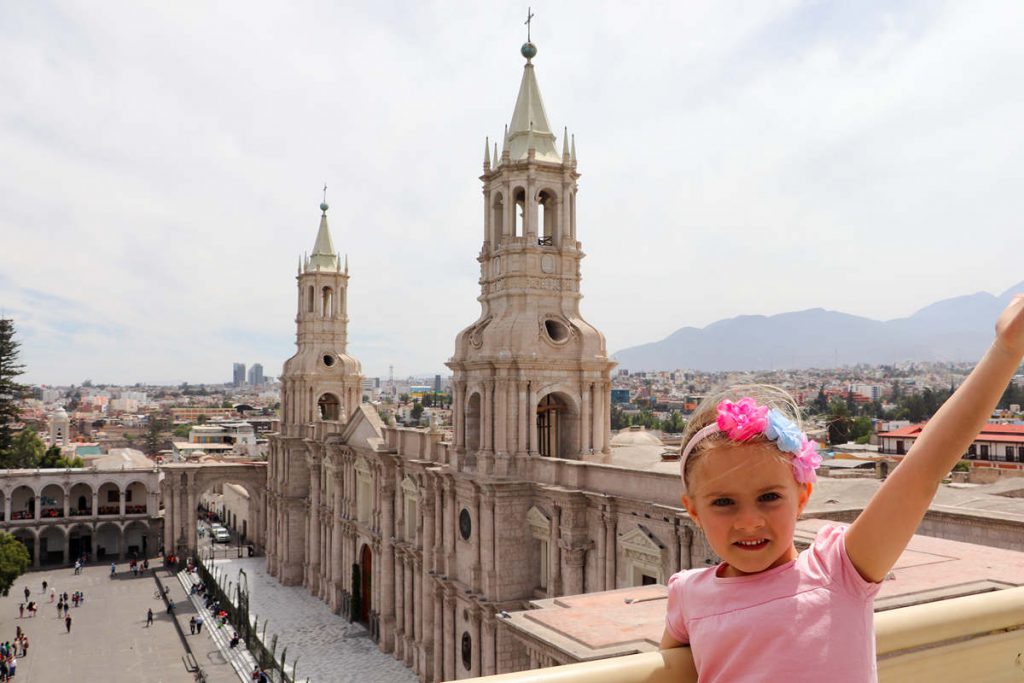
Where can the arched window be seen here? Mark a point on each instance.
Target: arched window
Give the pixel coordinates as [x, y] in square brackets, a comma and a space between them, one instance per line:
[557, 427]
[519, 213]
[547, 218]
[329, 407]
[327, 301]
[473, 423]
[310, 300]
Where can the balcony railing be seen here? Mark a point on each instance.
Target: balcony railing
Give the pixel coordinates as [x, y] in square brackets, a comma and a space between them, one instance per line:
[974, 638]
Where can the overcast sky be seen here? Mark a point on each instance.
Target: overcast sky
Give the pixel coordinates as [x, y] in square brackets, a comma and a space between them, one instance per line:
[162, 165]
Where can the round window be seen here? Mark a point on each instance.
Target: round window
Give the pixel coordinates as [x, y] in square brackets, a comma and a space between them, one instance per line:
[328, 360]
[556, 329]
[465, 524]
[467, 650]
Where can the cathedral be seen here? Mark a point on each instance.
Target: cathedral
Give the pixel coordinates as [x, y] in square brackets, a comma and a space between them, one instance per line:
[428, 538]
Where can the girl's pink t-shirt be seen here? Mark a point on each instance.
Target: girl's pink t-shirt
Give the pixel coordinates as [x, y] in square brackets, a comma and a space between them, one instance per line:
[811, 619]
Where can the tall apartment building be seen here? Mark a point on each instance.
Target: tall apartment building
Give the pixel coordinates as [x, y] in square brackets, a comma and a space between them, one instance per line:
[256, 375]
[238, 374]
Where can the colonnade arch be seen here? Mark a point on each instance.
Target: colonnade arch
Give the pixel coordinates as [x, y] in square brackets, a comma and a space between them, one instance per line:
[182, 487]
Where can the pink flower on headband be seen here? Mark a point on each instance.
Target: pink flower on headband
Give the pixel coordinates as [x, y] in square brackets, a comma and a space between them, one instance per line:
[806, 462]
[742, 420]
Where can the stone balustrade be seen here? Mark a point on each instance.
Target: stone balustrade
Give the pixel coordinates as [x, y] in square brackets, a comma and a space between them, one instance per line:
[973, 638]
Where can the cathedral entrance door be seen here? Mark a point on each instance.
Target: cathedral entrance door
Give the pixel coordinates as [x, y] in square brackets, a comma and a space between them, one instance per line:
[365, 574]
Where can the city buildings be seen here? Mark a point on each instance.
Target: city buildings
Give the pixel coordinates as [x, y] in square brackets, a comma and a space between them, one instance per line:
[256, 375]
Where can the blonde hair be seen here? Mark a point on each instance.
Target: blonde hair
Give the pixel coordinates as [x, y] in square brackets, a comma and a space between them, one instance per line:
[706, 414]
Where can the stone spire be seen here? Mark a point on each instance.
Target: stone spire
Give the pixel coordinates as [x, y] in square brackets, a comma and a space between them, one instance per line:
[323, 257]
[529, 128]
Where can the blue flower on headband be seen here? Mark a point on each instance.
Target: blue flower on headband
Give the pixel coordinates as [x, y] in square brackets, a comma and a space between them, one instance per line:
[784, 432]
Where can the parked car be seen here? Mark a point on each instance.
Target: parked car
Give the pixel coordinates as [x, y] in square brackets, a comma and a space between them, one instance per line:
[221, 535]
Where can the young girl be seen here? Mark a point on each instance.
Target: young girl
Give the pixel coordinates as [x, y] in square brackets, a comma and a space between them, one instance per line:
[768, 613]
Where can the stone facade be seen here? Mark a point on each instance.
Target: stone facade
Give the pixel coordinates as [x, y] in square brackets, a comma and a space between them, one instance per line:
[428, 537]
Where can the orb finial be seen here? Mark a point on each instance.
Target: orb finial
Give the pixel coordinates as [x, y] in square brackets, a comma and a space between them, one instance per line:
[528, 50]
[323, 204]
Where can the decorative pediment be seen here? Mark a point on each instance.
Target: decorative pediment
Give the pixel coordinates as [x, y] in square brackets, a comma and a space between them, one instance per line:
[410, 488]
[642, 542]
[540, 524]
[361, 466]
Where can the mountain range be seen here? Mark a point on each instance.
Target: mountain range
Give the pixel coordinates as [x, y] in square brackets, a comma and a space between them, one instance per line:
[957, 329]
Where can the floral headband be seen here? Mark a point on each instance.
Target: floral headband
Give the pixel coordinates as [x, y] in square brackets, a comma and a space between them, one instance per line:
[744, 420]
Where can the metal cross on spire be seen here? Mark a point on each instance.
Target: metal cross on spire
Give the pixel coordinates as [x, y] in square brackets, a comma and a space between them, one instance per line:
[325, 193]
[529, 18]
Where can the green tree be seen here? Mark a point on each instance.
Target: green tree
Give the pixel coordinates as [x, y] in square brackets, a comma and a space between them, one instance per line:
[26, 451]
[202, 419]
[10, 389]
[14, 561]
[839, 422]
[820, 404]
[181, 431]
[417, 411]
[52, 458]
[154, 430]
[403, 398]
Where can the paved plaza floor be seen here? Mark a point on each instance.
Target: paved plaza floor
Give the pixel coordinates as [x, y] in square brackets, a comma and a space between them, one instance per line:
[330, 649]
[109, 640]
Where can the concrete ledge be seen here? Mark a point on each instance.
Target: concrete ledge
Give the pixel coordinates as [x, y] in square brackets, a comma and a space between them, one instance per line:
[973, 638]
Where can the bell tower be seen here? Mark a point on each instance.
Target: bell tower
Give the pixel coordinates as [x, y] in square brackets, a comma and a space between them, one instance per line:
[531, 376]
[321, 382]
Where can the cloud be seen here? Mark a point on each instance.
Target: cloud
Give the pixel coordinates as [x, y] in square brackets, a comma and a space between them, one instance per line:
[163, 165]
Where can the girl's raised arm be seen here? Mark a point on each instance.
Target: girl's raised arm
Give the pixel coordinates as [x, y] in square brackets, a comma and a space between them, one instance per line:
[877, 538]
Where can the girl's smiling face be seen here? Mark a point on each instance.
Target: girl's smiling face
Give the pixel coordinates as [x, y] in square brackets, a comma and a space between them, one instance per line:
[746, 500]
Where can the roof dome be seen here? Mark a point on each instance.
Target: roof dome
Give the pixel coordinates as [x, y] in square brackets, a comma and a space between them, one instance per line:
[635, 436]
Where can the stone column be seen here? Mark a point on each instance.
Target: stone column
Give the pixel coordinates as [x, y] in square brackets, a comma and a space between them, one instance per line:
[487, 663]
[337, 559]
[190, 517]
[476, 628]
[597, 427]
[586, 430]
[439, 634]
[501, 418]
[169, 496]
[531, 419]
[313, 570]
[610, 581]
[426, 593]
[38, 512]
[399, 606]
[487, 418]
[458, 416]
[449, 637]
[7, 508]
[523, 420]
[67, 548]
[387, 556]
[409, 627]
[555, 555]
[95, 503]
[67, 510]
[575, 558]
[122, 495]
[415, 614]
[35, 550]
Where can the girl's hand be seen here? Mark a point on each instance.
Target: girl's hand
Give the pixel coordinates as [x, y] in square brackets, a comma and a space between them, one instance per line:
[1010, 327]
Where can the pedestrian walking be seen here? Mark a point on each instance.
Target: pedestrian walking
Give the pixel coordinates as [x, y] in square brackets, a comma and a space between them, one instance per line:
[52, 594]
[21, 610]
[113, 569]
[149, 617]
[65, 596]
[67, 623]
[60, 608]
[24, 646]
[27, 593]
[192, 625]
[199, 624]
[44, 585]
[66, 608]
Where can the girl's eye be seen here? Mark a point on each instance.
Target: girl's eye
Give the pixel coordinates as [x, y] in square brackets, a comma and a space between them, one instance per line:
[769, 497]
[721, 502]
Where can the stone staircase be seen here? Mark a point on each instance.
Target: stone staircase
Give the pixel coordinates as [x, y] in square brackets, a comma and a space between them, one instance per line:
[241, 659]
